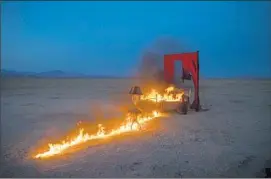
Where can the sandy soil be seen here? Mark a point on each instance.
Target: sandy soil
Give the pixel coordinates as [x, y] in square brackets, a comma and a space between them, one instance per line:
[232, 139]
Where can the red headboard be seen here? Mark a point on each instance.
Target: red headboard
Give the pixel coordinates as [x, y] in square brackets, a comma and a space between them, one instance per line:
[190, 63]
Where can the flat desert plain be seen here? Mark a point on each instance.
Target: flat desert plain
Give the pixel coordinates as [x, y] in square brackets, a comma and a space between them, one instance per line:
[232, 139]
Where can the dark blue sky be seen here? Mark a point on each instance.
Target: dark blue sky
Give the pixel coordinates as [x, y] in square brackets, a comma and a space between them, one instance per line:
[234, 38]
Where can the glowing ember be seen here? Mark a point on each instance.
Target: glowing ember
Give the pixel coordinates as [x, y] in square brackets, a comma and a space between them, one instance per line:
[171, 94]
[83, 137]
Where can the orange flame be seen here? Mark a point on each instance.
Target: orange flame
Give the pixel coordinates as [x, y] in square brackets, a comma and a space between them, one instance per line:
[171, 94]
[83, 137]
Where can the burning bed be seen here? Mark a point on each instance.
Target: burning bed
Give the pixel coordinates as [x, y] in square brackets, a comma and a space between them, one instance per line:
[147, 106]
[171, 99]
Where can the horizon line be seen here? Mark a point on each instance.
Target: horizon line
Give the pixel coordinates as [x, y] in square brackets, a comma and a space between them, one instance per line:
[86, 75]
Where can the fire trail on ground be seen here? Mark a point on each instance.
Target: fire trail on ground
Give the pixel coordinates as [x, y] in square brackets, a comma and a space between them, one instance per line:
[127, 126]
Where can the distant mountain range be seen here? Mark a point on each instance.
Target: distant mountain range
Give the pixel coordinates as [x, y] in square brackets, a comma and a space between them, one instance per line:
[62, 74]
[51, 74]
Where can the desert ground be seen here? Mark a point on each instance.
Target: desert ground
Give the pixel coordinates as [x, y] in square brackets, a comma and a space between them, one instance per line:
[232, 139]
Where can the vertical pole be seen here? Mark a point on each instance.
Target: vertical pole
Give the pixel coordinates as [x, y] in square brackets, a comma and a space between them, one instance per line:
[183, 75]
[168, 68]
[198, 101]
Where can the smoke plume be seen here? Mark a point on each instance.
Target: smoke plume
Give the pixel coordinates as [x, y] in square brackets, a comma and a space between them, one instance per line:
[152, 61]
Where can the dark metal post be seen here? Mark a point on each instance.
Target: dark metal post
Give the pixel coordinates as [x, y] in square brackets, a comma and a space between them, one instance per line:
[198, 101]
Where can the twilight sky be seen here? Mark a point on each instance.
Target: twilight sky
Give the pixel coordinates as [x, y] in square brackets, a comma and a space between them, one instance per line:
[109, 38]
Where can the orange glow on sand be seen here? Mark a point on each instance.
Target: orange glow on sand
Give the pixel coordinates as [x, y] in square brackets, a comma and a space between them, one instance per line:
[171, 94]
[83, 136]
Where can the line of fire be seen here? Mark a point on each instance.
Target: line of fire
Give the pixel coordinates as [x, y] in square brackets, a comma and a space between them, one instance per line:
[147, 105]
